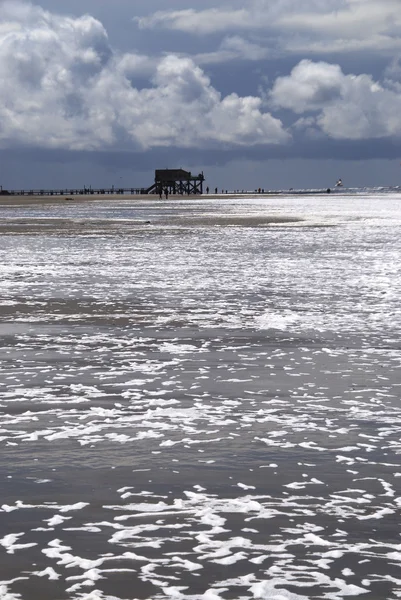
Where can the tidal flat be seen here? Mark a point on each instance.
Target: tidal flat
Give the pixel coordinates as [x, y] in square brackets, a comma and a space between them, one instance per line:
[200, 398]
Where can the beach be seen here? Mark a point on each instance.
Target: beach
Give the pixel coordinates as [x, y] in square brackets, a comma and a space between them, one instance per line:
[200, 397]
[24, 200]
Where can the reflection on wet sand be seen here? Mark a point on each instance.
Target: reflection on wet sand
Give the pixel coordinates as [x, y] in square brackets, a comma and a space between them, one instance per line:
[206, 412]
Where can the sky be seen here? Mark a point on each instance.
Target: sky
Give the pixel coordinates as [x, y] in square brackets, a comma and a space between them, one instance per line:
[275, 94]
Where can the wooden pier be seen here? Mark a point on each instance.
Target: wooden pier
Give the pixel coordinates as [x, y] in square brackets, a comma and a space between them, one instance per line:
[174, 181]
[74, 192]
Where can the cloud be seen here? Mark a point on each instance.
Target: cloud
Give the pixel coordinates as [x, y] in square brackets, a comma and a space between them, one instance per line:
[320, 26]
[350, 18]
[309, 87]
[352, 107]
[393, 71]
[348, 26]
[46, 63]
[192, 21]
[63, 86]
[232, 48]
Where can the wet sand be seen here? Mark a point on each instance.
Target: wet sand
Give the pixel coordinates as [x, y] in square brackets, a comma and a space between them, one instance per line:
[70, 224]
[56, 200]
[199, 412]
[78, 198]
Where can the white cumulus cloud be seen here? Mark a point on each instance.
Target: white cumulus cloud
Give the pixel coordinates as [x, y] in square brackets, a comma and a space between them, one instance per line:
[346, 106]
[63, 86]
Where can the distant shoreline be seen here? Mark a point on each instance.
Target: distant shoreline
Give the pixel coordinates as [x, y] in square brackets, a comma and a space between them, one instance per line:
[14, 200]
[17, 200]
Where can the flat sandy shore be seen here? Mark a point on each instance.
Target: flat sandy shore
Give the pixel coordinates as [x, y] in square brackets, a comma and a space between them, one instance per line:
[86, 198]
[29, 200]
[89, 223]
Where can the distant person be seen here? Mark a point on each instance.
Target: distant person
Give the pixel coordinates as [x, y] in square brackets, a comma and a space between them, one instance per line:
[160, 193]
[166, 193]
[207, 190]
[215, 191]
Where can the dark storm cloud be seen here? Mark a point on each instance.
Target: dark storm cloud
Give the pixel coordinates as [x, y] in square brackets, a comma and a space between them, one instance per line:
[163, 157]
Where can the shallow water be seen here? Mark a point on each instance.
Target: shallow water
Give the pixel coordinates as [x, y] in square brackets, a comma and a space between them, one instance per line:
[203, 406]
